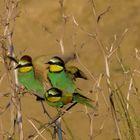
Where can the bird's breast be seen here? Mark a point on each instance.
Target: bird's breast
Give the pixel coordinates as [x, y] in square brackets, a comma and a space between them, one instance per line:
[53, 99]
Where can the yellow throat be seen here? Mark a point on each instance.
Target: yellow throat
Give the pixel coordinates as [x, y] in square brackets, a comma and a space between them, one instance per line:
[53, 99]
[55, 68]
[25, 69]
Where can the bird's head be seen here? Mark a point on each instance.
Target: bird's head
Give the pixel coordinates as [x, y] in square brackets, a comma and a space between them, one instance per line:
[53, 94]
[56, 64]
[25, 64]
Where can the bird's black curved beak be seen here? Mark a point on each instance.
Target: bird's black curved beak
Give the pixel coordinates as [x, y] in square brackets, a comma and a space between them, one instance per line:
[26, 65]
[48, 62]
[18, 66]
[13, 59]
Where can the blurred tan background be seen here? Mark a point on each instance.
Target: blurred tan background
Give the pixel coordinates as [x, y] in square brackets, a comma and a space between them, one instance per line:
[37, 31]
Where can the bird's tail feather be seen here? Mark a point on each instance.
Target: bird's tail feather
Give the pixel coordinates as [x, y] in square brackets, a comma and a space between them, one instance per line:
[83, 100]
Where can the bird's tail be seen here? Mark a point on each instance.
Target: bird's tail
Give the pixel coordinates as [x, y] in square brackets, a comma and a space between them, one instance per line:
[77, 97]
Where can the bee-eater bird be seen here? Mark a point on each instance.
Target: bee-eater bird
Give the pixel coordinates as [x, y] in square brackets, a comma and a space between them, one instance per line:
[28, 78]
[63, 80]
[56, 98]
[32, 74]
[59, 98]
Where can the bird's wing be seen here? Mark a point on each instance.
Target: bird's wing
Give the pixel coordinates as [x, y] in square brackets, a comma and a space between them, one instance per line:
[77, 97]
[75, 72]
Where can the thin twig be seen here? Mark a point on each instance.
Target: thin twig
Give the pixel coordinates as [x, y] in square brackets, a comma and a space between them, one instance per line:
[64, 18]
[11, 7]
[55, 119]
[118, 43]
[90, 116]
[129, 90]
[82, 29]
[115, 116]
[103, 13]
[36, 130]
[137, 53]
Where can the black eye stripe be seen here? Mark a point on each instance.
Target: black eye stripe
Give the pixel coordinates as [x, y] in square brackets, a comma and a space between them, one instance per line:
[54, 93]
[26, 65]
[56, 63]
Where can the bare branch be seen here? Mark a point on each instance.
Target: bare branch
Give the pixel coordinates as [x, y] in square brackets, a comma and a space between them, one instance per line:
[103, 13]
[36, 130]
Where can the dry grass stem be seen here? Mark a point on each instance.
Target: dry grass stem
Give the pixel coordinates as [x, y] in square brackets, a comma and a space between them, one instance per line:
[11, 7]
[112, 51]
[129, 91]
[38, 132]
[113, 111]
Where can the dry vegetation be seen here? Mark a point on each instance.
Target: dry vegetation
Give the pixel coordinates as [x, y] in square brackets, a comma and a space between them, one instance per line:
[89, 29]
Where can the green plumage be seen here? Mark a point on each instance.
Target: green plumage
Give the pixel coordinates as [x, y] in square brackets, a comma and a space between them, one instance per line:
[82, 100]
[64, 81]
[58, 104]
[32, 84]
[64, 100]
[64, 90]
[58, 98]
[29, 77]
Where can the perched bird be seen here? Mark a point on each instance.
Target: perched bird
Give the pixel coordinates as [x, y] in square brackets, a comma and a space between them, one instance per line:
[32, 74]
[63, 80]
[56, 98]
[59, 98]
[58, 76]
[28, 78]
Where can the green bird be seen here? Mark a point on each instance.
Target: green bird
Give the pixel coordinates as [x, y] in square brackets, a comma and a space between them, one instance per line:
[32, 74]
[56, 98]
[63, 80]
[28, 78]
[59, 98]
